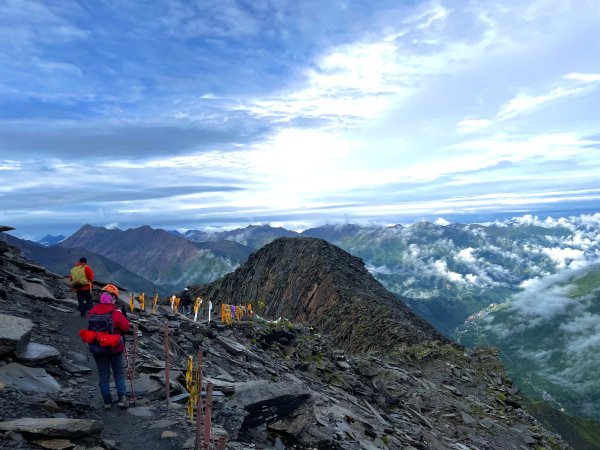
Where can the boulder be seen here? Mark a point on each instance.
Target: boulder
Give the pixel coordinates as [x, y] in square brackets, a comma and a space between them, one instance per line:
[28, 379]
[14, 333]
[54, 427]
[35, 354]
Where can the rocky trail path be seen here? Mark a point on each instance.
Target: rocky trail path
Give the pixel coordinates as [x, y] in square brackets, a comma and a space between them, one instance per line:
[138, 427]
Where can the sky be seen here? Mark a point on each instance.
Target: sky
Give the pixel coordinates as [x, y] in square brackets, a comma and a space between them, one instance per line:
[218, 114]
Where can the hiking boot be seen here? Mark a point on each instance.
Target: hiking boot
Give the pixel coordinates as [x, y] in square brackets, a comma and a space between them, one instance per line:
[123, 402]
[107, 403]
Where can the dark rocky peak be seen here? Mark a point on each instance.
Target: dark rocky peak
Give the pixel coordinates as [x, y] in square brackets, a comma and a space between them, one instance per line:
[314, 282]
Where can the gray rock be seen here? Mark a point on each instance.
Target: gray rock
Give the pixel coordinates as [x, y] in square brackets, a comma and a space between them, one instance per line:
[75, 369]
[54, 444]
[467, 419]
[79, 358]
[37, 290]
[164, 423]
[29, 379]
[343, 365]
[35, 354]
[67, 428]
[140, 411]
[14, 333]
[168, 435]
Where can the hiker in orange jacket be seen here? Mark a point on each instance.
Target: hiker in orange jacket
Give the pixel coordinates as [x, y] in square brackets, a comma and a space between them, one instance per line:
[82, 278]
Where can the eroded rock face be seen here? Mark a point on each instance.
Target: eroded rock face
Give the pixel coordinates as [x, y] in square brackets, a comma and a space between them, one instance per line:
[14, 333]
[310, 281]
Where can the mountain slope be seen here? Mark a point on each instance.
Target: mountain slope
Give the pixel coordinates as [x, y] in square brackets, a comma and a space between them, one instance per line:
[551, 333]
[60, 260]
[167, 260]
[314, 282]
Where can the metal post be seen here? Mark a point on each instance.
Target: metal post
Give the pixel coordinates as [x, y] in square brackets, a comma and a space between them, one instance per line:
[221, 443]
[167, 377]
[199, 404]
[208, 416]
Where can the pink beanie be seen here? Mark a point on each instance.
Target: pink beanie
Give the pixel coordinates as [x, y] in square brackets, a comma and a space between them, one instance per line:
[106, 298]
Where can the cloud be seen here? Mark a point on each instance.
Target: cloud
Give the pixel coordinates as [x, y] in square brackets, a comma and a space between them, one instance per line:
[586, 77]
[72, 140]
[524, 103]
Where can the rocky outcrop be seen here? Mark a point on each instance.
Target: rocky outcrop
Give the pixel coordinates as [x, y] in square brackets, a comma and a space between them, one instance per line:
[310, 281]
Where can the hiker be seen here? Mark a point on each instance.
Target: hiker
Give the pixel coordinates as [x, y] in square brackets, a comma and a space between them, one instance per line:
[82, 277]
[186, 302]
[106, 324]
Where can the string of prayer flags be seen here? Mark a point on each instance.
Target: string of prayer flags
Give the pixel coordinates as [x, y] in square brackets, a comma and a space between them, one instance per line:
[240, 312]
[197, 307]
[154, 305]
[131, 302]
[191, 384]
[226, 314]
[209, 310]
[176, 304]
[229, 312]
[172, 302]
[142, 302]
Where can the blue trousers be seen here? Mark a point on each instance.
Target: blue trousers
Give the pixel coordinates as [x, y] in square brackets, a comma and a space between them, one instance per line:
[104, 364]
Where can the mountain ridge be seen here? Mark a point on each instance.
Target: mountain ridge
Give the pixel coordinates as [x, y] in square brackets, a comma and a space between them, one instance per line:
[314, 282]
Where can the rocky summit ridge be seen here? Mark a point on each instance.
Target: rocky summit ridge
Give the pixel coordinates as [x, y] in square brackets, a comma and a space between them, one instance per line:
[276, 385]
[311, 281]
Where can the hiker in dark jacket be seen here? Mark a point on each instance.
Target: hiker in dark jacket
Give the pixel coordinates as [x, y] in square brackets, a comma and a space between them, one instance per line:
[82, 277]
[109, 356]
[186, 302]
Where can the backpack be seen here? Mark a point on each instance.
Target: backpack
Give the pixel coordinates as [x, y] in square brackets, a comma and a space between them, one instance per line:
[78, 277]
[102, 327]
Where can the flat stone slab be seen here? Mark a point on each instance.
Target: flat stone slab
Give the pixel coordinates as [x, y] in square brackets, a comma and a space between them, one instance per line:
[54, 427]
[75, 369]
[68, 302]
[29, 379]
[37, 290]
[140, 411]
[35, 354]
[55, 444]
[14, 333]
[164, 423]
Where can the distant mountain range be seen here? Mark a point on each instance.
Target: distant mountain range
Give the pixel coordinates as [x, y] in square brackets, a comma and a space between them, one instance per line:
[60, 260]
[165, 259]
